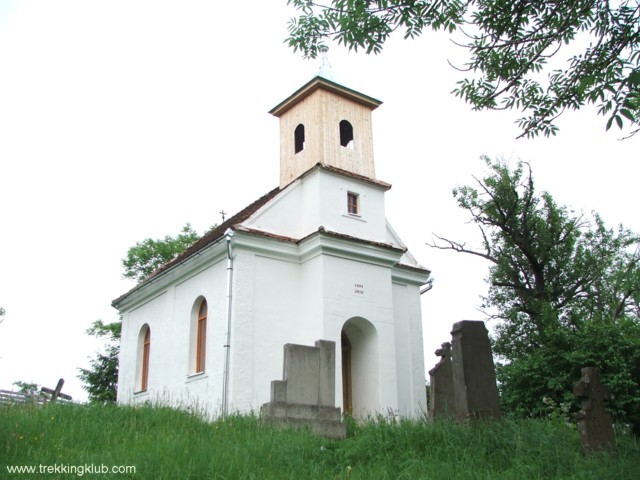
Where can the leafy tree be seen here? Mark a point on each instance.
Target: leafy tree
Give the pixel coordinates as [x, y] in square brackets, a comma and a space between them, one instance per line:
[101, 378]
[509, 44]
[28, 388]
[148, 255]
[565, 289]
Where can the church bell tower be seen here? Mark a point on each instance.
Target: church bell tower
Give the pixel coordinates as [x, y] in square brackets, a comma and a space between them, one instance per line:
[325, 123]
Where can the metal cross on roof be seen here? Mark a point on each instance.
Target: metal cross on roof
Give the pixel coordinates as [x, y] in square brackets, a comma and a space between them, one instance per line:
[224, 214]
[325, 67]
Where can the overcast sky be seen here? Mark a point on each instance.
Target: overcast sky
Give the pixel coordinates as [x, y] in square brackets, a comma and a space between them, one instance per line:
[123, 119]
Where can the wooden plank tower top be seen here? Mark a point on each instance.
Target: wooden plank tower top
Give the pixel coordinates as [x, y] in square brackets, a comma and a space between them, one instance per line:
[325, 123]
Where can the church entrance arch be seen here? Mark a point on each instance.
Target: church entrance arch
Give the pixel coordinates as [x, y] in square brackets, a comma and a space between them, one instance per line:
[360, 370]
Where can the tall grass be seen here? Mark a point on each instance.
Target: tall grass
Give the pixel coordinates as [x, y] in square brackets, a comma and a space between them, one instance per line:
[167, 444]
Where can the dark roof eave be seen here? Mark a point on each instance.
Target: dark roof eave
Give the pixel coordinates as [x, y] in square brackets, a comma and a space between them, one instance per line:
[321, 82]
[203, 242]
[322, 230]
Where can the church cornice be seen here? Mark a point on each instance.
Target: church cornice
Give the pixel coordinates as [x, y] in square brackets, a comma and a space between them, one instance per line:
[345, 173]
[407, 274]
[319, 82]
[321, 230]
[319, 242]
[325, 242]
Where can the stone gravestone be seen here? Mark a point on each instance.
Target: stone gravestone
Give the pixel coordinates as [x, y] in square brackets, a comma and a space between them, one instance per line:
[441, 393]
[474, 377]
[305, 397]
[594, 422]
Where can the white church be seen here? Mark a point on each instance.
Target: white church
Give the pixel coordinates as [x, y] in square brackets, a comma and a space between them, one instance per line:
[315, 258]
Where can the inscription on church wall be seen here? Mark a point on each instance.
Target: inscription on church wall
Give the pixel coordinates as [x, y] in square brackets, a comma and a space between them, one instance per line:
[358, 289]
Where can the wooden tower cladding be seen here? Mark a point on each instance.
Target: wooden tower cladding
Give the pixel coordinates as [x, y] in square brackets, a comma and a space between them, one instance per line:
[324, 122]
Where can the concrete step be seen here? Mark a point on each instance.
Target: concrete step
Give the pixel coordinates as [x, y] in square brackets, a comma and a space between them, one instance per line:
[328, 429]
[311, 412]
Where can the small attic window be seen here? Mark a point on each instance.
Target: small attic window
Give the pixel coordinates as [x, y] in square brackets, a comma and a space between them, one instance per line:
[346, 134]
[353, 203]
[298, 136]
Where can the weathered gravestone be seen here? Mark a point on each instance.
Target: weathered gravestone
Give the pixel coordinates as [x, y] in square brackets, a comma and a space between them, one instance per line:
[305, 397]
[441, 392]
[594, 422]
[474, 377]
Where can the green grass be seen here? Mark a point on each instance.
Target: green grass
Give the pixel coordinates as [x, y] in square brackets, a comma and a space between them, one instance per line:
[167, 444]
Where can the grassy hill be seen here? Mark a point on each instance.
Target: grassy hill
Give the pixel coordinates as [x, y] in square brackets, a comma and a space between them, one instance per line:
[75, 441]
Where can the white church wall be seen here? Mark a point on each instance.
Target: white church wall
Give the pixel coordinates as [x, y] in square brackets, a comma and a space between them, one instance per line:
[283, 293]
[405, 360]
[266, 315]
[284, 214]
[276, 301]
[126, 360]
[169, 316]
[414, 309]
[276, 321]
[205, 388]
[320, 199]
[155, 313]
[242, 332]
[410, 367]
[358, 290]
[388, 358]
[311, 301]
[368, 224]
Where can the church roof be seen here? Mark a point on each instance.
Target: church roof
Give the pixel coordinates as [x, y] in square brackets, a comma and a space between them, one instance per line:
[245, 213]
[318, 82]
[207, 239]
[347, 173]
[214, 234]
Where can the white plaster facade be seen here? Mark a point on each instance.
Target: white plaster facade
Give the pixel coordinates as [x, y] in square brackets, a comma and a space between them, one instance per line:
[301, 268]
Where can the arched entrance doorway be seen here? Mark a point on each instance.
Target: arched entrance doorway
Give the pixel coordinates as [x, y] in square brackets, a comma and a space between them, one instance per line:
[360, 371]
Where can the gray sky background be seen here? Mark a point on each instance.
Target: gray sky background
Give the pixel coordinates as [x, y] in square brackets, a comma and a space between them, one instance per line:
[122, 120]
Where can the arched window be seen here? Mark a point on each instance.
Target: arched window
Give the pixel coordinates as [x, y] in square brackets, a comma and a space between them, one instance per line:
[201, 337]
[346, 134]
[298, 136]
[144, 357]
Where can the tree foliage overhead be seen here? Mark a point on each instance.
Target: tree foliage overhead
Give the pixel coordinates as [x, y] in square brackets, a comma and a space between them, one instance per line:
[510, 44]
[565, 289]
[147, 256]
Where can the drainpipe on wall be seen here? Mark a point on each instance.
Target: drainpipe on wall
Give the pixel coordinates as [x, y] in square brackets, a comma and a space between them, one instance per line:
[227, 346]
